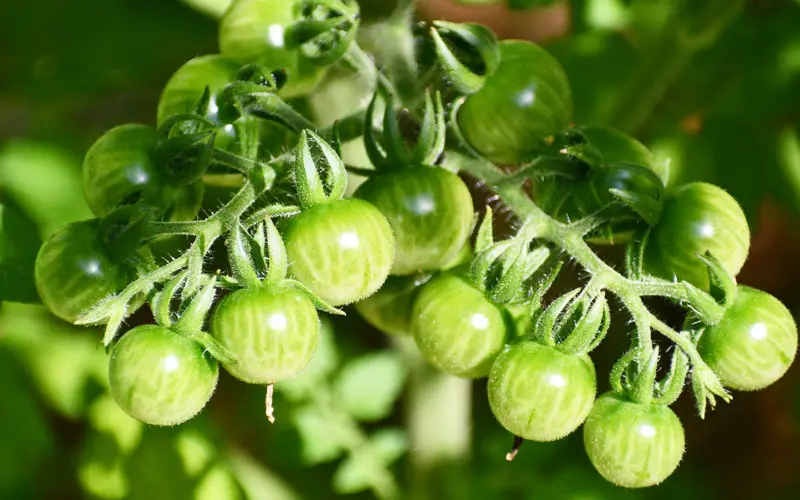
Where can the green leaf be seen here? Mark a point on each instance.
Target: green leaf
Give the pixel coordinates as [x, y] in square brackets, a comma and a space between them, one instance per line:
[19, 244]
[369, 385]
[44, 182]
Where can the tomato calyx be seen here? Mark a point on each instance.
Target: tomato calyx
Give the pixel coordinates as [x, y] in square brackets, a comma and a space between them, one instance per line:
[465, 72]
[325, 30]
[311, 188]
[634, 375]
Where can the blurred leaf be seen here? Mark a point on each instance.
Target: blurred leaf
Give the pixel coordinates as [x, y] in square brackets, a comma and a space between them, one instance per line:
[101, 470]
[45, 182]
[19, 244]
[217, 484]
[789, 153]
[26, 439]
[389, 444]
[195, 450]
[61, 358]
[212, 8]
[366, 467]
[323, 438]
[368, 386]
[258, 482]
[155, 469]
[108, 418]
[325, 360]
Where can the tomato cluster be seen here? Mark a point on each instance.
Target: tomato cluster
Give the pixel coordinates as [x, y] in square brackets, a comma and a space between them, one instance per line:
[402, 250]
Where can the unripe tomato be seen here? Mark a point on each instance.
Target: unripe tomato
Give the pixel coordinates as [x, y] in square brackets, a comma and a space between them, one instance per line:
[119, 168]
[342, 250]
[540, 393]
[430, 211]
[697, 217]
[73, 272]
[389, 309]
[616, 147]
[272, 332]
[160, 377]
[457, 329]
[754, 344]
[253, 31]
[630, 444]
[525, 100]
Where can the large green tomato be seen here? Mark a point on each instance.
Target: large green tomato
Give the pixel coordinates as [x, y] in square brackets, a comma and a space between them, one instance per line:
[430, 211]
[272, 332]
[540, 393]
[697, 217]
[457, 329]
[160, 377]
[73, 272]
[525, 100]
[754, 344]
[630, 444]
[342, 250]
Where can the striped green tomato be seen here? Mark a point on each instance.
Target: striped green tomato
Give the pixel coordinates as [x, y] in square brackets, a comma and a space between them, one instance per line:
[73, 271]
[540, 393]
[630, 444]
[390, 308]
[754, 344]
[457, 329]
[159, 376]
[697, 217]
[342, 250]
[430, 211]
[273, 332]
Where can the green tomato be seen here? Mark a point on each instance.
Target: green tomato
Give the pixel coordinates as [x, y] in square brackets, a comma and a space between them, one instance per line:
[389, 309]
[160, 377]
[73, 272]
[457, 329]
[430, 211]
[253, 31]
[272, 332]
[630, 444]
[118, 169]
[697, 217]
[525, 100]
[342, 250]
[615, 147]
[540, 393]
[754, 344]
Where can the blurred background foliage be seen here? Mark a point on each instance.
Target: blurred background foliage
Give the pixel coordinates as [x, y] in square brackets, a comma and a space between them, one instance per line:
[712, 85]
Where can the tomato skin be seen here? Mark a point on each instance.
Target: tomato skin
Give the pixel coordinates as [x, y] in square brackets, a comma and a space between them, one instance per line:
[342, 250]
[754, 344]
[539, 393]
[119, 166]
[253, 31]
[390, 308]
[697, 217]
[615, 147]
[525, 100]
[73, 271]
[160, 377]
[430, 211]
[633, 445]
[272, 332]
[457, 329]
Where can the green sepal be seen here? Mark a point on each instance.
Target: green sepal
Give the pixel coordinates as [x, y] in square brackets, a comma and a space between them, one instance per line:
[185, 124]
[243, 165]
[649, 209]
[269, 78]
[590, 328]
[372, 146]
[256, 249]
[643, 386]
[545, 330]
[247, 98]
[276, 253]
[634, 255]
[540, 288]
[324, 41]
[478, 38]
[240, 257]
[723, 283]
[619, 372]
[671, 387]
[707, 386]
[499, 270]
[123, 230]
[310, 187]
[704, 305]
[485, 236]
[534, 260]
[161, 303]
[192, 318]
[433, 133]
[184, 158]
[213, 346]
[314, 298]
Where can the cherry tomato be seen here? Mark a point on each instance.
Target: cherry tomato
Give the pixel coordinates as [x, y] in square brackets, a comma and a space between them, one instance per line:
[253, 31]
[616, 147]
[430, 211]
[342, 250]
[389, 309]
[754, 344]
[118, 169]
[160, 377]
[272, 332]
[633, 445]
[697, 217]
[540, 393]
[457, 329]
[525, 100]
[73, 271]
